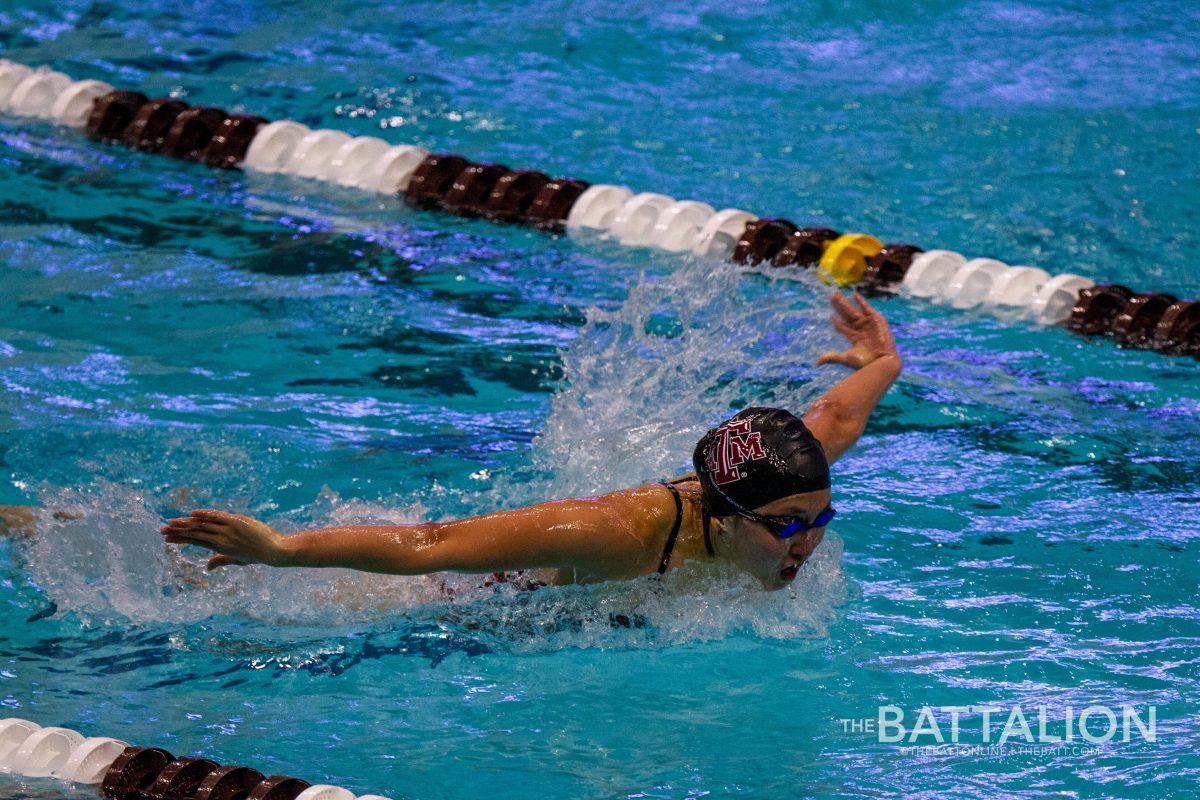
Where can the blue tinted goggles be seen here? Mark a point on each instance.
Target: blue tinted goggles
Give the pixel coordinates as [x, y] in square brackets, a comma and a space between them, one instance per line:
[787, 527]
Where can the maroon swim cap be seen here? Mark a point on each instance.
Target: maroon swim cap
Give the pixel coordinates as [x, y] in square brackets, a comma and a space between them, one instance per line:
[755, 457]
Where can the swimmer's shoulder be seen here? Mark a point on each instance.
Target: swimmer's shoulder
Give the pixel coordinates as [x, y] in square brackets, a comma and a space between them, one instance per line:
[640, 517]
[651, 504]
[651, 509]
[639, 521]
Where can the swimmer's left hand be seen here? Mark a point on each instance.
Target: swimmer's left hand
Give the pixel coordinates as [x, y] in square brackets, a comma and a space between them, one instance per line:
[236, 538]
[865, 328]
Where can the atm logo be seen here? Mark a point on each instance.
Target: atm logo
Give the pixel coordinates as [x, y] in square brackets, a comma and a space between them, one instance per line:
[736, 445]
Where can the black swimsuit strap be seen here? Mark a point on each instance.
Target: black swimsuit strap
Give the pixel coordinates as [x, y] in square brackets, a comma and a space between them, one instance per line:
[666, 556]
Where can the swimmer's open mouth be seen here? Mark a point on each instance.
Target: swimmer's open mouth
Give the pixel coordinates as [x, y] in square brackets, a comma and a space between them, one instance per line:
[789, 572]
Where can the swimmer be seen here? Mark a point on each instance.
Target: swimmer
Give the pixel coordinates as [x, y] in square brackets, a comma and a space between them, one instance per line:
[759, 499]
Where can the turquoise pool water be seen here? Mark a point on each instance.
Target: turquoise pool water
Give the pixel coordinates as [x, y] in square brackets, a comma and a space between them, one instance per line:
[1019, 525]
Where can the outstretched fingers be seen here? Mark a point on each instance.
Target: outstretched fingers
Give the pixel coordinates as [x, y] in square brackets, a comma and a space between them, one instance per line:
[174, 539]
[205, 529]
[864, 306]
[879, 322]
[191, 531]
[833, 357]
[843, 308]
[215, 516]
[844, 328]
[865, 328]
[190, 527]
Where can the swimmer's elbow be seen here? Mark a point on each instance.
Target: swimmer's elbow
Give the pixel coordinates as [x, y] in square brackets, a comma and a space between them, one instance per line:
[417, 552]
[468, 545]
[837, 424]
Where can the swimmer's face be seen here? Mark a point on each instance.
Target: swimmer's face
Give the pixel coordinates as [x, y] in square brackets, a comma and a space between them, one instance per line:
[774, 561]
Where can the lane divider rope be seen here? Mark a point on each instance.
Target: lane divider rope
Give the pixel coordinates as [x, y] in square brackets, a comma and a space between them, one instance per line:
[124, 772]
[452, 183]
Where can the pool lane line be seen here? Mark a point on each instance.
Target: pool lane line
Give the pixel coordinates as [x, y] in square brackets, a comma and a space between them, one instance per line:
[124, 772]
[454, 184]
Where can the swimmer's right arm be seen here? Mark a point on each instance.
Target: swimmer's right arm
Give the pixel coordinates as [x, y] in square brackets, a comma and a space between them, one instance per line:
[839, 417]
[596, 534]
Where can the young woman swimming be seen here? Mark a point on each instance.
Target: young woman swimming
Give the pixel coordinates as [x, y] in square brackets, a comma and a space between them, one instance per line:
[759, 498]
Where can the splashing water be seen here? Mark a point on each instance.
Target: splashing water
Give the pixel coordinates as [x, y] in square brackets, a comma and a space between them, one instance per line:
[644, 382]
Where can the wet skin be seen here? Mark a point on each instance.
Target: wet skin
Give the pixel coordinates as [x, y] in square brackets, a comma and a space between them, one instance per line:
[649, 511]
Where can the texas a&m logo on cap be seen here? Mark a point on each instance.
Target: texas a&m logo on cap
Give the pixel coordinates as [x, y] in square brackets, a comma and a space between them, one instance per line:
[736, 444]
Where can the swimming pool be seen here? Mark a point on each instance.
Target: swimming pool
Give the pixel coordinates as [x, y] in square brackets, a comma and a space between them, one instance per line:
[1018, 526]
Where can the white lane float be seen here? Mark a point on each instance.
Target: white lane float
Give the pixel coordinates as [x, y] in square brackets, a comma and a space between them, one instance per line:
[13, 733]
[930, 271]
[313, 153]
[354, 162]
[1053, 302]
[74, 104]
[35, 96]
[633, 224]
[272, 146]
[597, 206]
[91, 759]
[1017, 286]
[721, 232]
[972, 282]
[323, 791]
[11, 76]
[395, 167]
[45, 751]
[679, 225]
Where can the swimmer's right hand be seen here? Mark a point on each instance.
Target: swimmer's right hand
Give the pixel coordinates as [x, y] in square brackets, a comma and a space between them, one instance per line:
[235, 538]
[865, 329]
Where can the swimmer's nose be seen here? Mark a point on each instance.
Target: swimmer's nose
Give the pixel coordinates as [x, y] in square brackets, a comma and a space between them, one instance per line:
[809, 542]
[799, 551]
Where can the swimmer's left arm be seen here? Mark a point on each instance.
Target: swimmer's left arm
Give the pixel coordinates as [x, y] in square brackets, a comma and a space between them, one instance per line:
[590, 533]
[839, 417]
